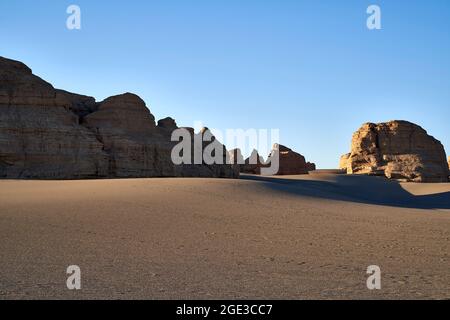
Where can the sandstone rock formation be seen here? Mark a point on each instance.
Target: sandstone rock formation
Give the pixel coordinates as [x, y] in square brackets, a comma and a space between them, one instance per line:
[210, 145]
[167, 123]
[290, 162]
[398, 150]
[40, 137]
[253, 163]
[47, 133]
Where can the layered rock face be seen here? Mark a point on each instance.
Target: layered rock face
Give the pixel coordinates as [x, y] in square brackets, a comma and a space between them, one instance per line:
[53, 134]
[127, 131]
[40, 137]
[398, 150]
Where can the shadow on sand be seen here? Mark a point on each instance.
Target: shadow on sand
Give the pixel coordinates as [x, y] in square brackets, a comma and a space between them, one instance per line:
[359, 189]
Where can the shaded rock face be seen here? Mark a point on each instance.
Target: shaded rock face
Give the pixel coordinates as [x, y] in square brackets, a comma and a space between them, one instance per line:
[207, 139]
[126, 129]
[79, 104]
[40, 137]
[47, 133]
[168, 124]
[398, 150]
[448, 160]
[253, 164]
[290, 162]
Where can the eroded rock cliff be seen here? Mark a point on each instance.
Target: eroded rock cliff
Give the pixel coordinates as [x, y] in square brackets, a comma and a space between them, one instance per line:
[40, 137]
[398, 150]
[47, 133]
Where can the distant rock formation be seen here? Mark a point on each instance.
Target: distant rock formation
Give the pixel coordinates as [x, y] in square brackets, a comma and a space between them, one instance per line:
[219, 170]
[253, 164]
[290, 162]
[398, 150]
[47, 133]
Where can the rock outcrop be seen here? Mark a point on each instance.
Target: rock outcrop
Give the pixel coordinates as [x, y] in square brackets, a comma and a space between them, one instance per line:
[290, 162]
[79, 104]
[168, 124]
[253, 164]
[208, 147]
[127, 131]
[40, 137]
[398, 150]
[47, 133]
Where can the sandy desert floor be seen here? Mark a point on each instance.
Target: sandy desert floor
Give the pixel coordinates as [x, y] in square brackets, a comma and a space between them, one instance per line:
[296, 237]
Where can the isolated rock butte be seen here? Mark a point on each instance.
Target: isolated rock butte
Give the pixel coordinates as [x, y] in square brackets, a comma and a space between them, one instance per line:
[291, 162]
[47, 133]
[398, 150]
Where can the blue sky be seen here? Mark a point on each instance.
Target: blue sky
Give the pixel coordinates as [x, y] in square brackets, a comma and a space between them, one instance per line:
[310, 68]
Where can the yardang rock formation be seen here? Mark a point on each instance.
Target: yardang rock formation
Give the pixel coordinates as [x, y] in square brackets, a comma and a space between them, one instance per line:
[290, 162]
[398, 150]
[253, 163]
[47, 133]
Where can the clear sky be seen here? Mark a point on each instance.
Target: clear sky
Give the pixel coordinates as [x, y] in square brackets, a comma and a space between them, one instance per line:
[310, 68]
